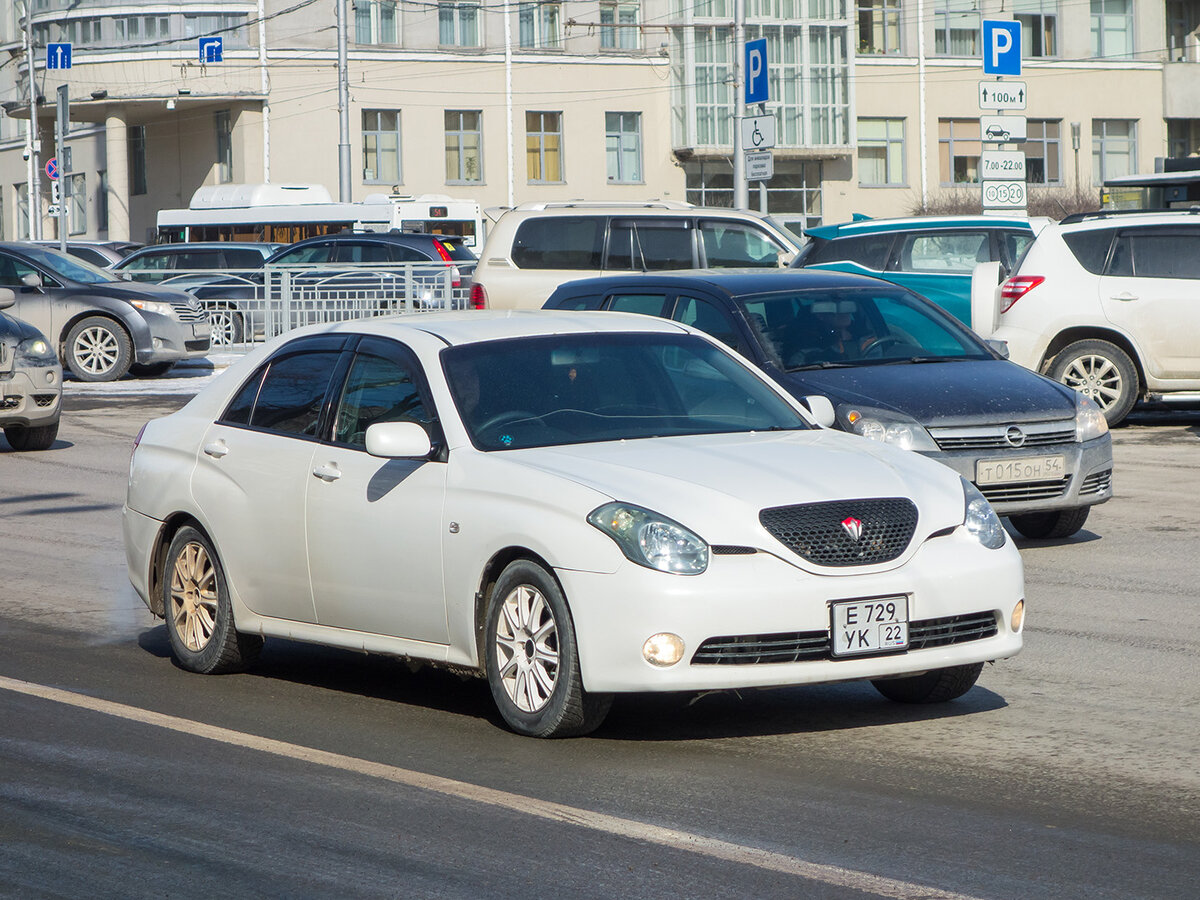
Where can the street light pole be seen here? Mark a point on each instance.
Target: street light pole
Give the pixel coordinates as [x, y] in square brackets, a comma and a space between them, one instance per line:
[343, 107]
[33, 189]
[741, 190]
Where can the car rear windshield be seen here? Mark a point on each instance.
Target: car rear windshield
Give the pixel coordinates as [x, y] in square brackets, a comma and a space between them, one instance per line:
[459, 252]
[68, 266]
[1090, 247]
[584, 388]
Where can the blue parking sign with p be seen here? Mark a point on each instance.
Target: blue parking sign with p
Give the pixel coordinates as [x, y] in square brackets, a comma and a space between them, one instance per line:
[757, 85]
[1001, 47]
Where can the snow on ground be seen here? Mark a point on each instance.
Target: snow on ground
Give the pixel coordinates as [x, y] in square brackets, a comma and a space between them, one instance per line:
[186, 378]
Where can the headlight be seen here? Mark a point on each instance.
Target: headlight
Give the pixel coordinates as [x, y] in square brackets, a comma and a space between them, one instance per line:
[1089, 420]
[154, 306]
[887, 427]
[651, 540]
[36, 352]
[980, 519]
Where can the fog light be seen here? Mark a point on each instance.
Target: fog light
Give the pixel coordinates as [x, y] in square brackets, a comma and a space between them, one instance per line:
[663, 649]
[158, 344]
[1018, 616]
[50, 377]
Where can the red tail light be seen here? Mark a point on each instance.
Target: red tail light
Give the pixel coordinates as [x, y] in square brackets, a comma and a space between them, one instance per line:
[442, 251]
[1017, 287]
[479, 298]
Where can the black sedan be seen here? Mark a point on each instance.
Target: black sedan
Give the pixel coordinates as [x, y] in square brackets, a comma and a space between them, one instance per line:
[897, 369]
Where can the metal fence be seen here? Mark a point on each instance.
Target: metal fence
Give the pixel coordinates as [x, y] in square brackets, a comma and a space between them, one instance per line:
[253, 305]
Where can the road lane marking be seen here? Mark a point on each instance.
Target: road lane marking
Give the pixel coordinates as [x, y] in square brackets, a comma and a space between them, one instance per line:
[556, 812]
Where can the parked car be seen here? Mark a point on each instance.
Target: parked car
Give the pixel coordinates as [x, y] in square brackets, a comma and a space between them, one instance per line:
[236, 303]
[1107, 304]
[479, 489]
[100, 325]
[899, 370]
[535, 247]
[30, 382]
[177, 263]
[98, 253]
[932, 255]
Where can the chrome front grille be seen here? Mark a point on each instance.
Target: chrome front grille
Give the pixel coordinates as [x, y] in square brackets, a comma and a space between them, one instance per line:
[189, 310]
[823, 533]
[1017, 436]
[1029, 490]
[807, 646]
[1097, 483]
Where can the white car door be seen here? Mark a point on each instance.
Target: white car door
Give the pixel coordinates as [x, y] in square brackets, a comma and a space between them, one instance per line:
[253, 471]
[1152, 292]
[375, 525]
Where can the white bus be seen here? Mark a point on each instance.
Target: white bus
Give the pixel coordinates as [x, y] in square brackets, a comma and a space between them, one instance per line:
[284, 213]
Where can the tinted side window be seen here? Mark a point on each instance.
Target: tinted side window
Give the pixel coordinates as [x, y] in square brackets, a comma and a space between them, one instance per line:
[12, 270]
[292, 393]
[377, 390]
[1157, 253]
[240, 407]
[559, 242]
[313, 253]
[590, 301]
[734, 244]
[243, 259]
[197, 259]
[408, 254]
[650, 244]
[947, 251]
[149, 262]
[709, 318]
[869, 250]
[1090, 248]
[646, 304]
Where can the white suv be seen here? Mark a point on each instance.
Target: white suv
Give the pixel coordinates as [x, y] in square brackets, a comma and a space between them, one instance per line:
[1109, 303]
[535, 247]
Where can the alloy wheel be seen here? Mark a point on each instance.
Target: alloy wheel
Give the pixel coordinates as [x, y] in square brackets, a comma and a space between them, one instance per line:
[1096, 378]
[194, 596]
[96, 350]
[527, 648]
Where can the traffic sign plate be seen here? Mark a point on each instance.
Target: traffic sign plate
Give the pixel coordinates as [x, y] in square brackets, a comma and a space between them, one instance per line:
[58, 56]
[1003, 195]
[1002, 129]
[1001, 165]
[758, 133]
[1002, 95]
[52, 168]
[760, 165]
[212, 49]
[757, 85]
[1001, 47]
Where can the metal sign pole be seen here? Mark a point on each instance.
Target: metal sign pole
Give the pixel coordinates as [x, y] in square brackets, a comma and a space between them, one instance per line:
[741, 190]
[61, 125]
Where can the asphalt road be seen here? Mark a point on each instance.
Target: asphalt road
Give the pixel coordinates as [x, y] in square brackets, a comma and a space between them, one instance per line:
[1068, 772]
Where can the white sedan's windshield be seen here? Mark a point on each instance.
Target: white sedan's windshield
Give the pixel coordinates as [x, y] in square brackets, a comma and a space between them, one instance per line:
[572, 389]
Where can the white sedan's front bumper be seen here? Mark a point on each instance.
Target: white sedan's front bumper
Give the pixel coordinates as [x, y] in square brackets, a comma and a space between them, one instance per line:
[760, 594]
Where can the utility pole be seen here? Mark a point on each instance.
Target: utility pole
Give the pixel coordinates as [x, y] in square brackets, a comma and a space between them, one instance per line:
[62, 124]
[343, 107]
[741, 190]
[33, 148]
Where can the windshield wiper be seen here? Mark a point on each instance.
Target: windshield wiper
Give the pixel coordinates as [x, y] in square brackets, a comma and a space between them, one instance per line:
[827, 364]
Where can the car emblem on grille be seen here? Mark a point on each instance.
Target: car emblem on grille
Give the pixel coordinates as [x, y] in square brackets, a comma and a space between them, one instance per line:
[853, 527]
[1015, 436]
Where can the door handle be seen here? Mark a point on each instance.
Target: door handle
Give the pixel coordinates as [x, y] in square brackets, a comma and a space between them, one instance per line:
[328, 473]
[1124, 295]
[216, 449]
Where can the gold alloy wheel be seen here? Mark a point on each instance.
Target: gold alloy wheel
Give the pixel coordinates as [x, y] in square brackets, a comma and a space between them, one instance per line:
[194, 596]
[527, 648]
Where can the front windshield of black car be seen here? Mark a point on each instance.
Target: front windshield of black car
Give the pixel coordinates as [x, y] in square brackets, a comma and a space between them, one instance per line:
[68, 266]
[831, 327]
[583, 388]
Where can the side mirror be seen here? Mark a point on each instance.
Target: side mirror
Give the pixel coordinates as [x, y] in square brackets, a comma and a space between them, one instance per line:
[31, 279]
[821, 409]
[7, 297]
[784, 258]
[398, 440]
[1000, 347]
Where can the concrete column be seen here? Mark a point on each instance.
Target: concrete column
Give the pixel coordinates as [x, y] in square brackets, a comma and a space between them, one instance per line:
[116, 154]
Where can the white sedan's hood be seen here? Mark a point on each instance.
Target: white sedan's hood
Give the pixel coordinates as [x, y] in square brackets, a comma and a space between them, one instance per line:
[716, 484]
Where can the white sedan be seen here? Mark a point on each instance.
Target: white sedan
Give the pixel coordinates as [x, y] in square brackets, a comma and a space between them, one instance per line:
[572, 504]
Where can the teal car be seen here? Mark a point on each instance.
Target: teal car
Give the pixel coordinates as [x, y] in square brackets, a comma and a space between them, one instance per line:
[931, 255]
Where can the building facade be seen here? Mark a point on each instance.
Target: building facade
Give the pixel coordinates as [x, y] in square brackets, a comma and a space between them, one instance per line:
[604, 100]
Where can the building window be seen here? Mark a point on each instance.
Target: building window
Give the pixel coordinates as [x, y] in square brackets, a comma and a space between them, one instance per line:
[78, 189]
[1043, 151]
[137, 159]
[230, 28]
[142, 29]
[381, 146]
[458, 24]
[539, 25]
[956, 28]
[881, 152]
[376, 22]
[1183, 21]
[1039, 27]
[829, 76]
[1112, 29]
[878, 26]
[959, 147]
[224, 146]
[464, 146]
[618, 25]
[102, 200]
[1114, 148]
[623, 146]
[543, 147]
[1183, 137]
[714, 87]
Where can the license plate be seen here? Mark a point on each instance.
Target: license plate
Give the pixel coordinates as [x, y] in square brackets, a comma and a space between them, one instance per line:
[869, 626]
[1027, 468]
[202, 329]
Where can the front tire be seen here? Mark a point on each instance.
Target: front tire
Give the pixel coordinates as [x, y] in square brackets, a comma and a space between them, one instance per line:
[198, 610]
[936, 686]
[1101, 371]
[228, 327]
[22, 437]
[98, 349]
[532, 659]
[1057, 524]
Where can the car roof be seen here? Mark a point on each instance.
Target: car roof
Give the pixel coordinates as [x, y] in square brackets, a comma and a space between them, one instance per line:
[1107, 218]
[268, 247]
[912, 223]
[733, 282]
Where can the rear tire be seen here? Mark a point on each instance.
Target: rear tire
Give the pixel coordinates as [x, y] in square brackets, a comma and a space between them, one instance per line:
[98, 349]
[22, 437]
[1101, 371]
[936, 686]
[1057, 524]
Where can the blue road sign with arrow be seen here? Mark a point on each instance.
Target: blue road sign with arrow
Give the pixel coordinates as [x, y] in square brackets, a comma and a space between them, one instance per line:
[58, 56]
[212, 49]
